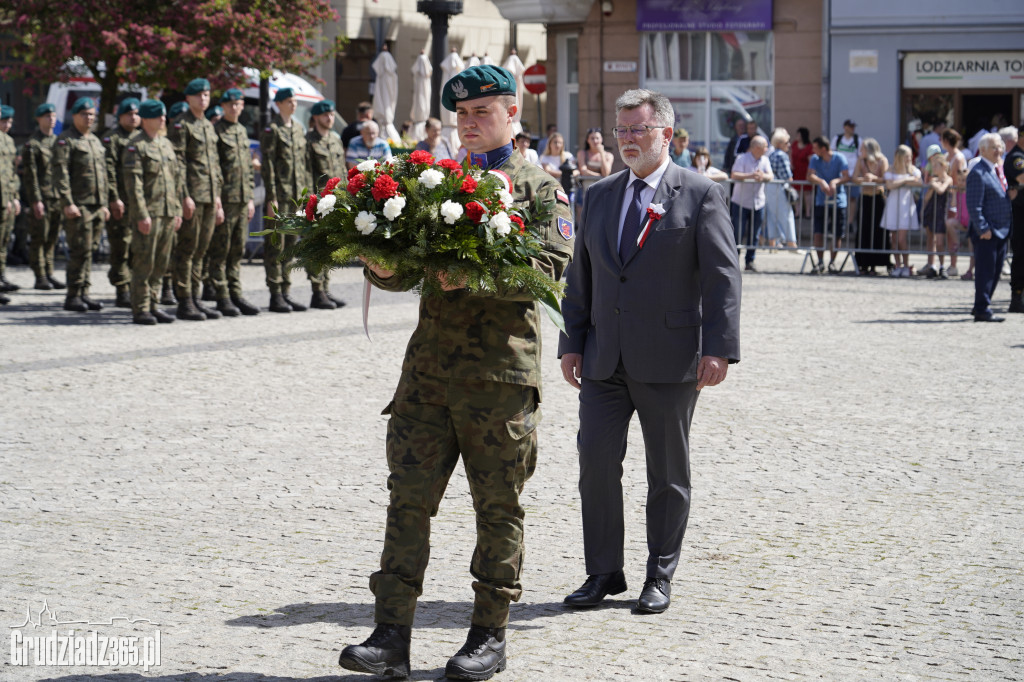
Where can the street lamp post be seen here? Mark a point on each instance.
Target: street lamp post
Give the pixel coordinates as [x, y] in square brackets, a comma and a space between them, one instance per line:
[439, 11]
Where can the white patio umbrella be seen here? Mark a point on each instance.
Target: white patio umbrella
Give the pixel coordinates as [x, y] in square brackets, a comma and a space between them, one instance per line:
[385, 93]
[451, 65]
[515, 66]
[473, 61]
[487, 59]
[421, 72]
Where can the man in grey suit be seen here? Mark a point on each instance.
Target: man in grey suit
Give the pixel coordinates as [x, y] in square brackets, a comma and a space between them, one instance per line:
[652, 311]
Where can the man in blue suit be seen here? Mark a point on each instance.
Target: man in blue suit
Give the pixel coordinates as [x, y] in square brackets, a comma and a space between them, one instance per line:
[988, 204]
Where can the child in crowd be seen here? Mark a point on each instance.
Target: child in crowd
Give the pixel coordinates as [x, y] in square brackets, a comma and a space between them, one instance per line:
[935, 208]
[900, 215]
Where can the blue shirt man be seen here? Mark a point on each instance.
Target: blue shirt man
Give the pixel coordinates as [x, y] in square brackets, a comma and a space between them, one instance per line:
[367, 146]
[828, 172]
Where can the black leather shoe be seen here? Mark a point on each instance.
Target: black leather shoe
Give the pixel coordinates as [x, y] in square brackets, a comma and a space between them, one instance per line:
[297, 307]
[278, 304]
[93, 305]
[210, 313]
[144, 318]
[480, 657]
[227, 308]
[57, 284]
[244, 306]
[43, 284]
[123, 298]
[990, 318]
[385, 652]
[654, 598]
[596, 588]
[321, 302]
[75, 304]
[161, 316]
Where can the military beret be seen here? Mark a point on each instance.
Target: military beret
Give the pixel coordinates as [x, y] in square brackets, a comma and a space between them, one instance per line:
[197, 86]
[152, 108]
[44, 109]
[128, 105]
[933, 149]
[83, 103]
[476, 82]
[231, 95]
[215, 110]
[322, 107]
[6, 112]
[178, 108]
[283, 94]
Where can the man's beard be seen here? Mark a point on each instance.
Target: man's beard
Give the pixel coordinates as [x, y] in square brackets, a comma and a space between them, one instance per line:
[646, 159]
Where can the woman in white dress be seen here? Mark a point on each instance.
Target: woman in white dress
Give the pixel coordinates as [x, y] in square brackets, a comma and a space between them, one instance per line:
[900, 215]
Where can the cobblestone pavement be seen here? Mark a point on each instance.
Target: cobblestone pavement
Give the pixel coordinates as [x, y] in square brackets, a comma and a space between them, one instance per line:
[857, 495]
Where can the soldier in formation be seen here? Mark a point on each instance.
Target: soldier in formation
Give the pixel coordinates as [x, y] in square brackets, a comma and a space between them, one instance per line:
[327, 160]
[9, 191]
[44, 214]
[119, 229]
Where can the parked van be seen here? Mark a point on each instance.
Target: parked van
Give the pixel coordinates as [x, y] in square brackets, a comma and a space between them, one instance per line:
[728, 103]
[82, 84]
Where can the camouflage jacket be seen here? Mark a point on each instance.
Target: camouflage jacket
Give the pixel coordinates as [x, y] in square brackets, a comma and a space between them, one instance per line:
[8, 169]
[79, 170]
[494, 337]
[235, 162]
[195, 140]
[114, 140]
[285, 166]
[154, 177]
[326, 157]
[36, 156]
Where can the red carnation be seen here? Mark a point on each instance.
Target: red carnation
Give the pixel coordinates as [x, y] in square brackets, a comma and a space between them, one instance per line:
[329, 187]
[384, 187]
[519, 221]
[311, 207]
[355, 183]
[468, 184]
[421, 156]
[475, 211]
[352, 172]
[450, 164]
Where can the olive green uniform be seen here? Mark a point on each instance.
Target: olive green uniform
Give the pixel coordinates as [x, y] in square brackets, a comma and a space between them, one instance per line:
[470, 385]
[228, 243]
[43, 232]
[154, 180]
[81, 178]
[286, 174]
[11, 186]
[326, 161]
[119, 230]
[196, 142]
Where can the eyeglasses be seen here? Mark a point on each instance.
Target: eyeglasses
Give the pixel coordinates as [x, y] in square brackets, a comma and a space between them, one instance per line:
[635, 131]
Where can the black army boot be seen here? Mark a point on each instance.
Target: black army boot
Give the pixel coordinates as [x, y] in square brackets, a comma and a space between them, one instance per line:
[385, 652]
[210, 313]
[144, 318]
[187, 310]
[278, 304]
[480, 657]
[123, 298]
[43, 284]
[161, 316]
[167, 296]
[334, 299]
[208, 292]
[6, 286]
[75, 304]
[1016, 300]
[244, 306]
[57, 284]
[92, 305]
[227, 308]
[297, 307]
[320, 301]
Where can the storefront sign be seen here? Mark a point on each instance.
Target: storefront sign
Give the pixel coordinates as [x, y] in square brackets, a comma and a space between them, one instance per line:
[863, 61]
[704, 15]
[619, 67]
[963, 70]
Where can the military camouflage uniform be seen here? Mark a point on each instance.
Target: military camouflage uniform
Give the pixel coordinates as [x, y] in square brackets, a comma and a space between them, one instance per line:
[81, 178]
[326, 161]
[43, 232]
[119, 231]
[470, 385]
[196, 142]
[229, 240]
[11, 186]
[286, 174]
[154, 179]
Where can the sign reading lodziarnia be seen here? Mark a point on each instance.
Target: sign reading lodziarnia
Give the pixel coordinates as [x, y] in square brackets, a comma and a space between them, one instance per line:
[963, 70]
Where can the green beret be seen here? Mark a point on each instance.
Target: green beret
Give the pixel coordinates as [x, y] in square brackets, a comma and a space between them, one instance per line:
[215, 110]
[322, 107]
[231, 95]
[44, 109]
[476, 82]
[128, 105]
[6, 112]
[83, 103]
[178, 108]
[152, 108]
[197, 86]
[283, 94]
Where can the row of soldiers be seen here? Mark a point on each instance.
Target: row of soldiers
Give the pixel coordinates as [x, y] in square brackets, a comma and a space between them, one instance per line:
[176, 207]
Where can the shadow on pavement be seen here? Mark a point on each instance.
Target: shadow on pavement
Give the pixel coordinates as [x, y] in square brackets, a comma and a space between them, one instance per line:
[436, 674]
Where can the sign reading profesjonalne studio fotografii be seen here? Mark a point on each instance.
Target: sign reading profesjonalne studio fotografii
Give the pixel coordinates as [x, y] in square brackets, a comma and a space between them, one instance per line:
[704, 15]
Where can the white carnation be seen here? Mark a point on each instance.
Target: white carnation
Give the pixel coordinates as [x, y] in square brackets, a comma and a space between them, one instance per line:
[393, 207]
[501, 224]
[300, 213]
[450, 210]
[367, 165]
[505, 198]
[366, 222]
[431, 178]
[326, 205]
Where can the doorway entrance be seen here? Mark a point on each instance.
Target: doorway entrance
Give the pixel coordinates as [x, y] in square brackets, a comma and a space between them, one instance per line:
[986, 110]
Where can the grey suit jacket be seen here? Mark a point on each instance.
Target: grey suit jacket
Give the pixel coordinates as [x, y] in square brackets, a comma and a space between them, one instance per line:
[674, 300]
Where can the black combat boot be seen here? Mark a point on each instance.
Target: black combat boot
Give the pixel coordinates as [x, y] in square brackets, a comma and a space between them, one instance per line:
[1016, 300]
[43, 284]
[161, 316]
[144, 318]
[123, 298]
[6, 286]
[320, 301]
[167, 296]
[210, 313]
[480, 657]
[244, 306]
[75, 304]
[334, 299]
[208, 292]
[57, 284]
[297, 307]
[226, 308]
[278, 304]
[385, 652]
[92, 305]
[187, 310]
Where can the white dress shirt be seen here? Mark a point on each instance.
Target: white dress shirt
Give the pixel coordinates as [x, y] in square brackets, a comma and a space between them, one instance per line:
[646, 195]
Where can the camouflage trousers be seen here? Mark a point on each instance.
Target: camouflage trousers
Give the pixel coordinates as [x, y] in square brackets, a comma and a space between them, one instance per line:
[191, 245]
[434, 420]
[119, 236]
[151, 255]
[226, 250]
[6, 228]
[83, 235]
[43, 235]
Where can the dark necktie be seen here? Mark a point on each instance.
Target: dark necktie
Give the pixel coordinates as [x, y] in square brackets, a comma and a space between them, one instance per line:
[631, 226]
